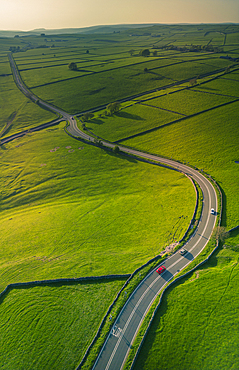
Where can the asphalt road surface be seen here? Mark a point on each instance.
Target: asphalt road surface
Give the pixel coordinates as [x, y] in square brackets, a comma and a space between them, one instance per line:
[117, 345]
[115, 350]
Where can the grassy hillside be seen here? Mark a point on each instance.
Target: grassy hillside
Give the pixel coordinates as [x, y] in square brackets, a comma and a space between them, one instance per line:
[209, 142]
[69, 209]
[17, 112]
[110, 66]
[50, 327]
[196, 326]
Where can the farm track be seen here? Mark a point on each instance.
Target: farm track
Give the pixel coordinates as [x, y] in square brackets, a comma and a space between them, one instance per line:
[119, 341]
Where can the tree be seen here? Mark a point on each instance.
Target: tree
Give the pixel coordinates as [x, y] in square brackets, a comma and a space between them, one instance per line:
[113, 107]
[155, 53]
[145, 69]
[221, 233]
[131, 52]
[98, 142]
[87, 51]
[227, 69]
[86, 116]
[116, 149]
[193, 82]
[145, 53]
[72, 66]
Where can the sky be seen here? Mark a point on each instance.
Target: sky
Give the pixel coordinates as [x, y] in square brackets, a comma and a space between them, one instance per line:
[27, 15]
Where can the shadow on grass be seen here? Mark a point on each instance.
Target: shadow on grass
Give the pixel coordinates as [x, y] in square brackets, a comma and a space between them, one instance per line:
[127, 115]
[120, 155]
[234, 233]
[93, 92]
[156, 327]
[224, 207]
[157, 323]
[97, 121]
[158, 76]
[207, 88]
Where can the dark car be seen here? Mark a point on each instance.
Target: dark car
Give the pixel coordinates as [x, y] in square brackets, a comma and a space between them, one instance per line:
[161, 269]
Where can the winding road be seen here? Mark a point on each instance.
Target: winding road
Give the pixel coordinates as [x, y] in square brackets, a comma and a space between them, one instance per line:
[119, 341]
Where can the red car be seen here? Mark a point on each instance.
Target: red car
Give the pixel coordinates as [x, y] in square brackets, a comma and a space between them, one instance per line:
[161, 269]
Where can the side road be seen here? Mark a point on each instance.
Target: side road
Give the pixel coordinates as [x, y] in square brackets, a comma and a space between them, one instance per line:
[117, 345]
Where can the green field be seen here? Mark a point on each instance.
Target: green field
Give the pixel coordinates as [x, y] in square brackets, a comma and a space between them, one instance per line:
[129, 121]
[50, 327]
[88, 90]
[17, 112]
[66, 232]
[196, 326]
[212, 147]
[69, 209]
[114, 58]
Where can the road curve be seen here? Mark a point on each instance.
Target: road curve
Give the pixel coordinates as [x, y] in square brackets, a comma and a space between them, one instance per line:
[118, 343]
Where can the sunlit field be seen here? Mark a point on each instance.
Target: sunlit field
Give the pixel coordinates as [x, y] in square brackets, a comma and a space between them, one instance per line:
[69, 209]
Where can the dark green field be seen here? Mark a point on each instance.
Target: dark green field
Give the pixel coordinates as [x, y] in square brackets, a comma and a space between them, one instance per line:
[70, 210]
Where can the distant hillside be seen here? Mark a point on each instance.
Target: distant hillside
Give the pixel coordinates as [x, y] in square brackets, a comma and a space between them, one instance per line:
[93, 29]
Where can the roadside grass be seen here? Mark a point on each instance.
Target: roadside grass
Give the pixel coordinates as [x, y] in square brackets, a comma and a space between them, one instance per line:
[50, 327]
[209, 142]
[4, 68]
[19, 110]
[68, 209]
[71, 212]
[196, 324]
[129, 121]
[138, 276]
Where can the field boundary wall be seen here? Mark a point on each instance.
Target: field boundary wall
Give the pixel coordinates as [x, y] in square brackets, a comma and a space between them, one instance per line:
[176, 280]
[60, 281]
[161, 258]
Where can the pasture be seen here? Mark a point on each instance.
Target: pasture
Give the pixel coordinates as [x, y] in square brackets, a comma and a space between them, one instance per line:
[90, 215]
[69, 209]
[17, 112]
[196, 325]
[51, 326]
[209, 142]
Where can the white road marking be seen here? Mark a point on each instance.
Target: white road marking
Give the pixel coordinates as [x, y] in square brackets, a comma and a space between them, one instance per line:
[73, 125]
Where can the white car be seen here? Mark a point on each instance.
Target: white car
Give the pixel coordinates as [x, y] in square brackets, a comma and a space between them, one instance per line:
[212, 211]
[183, 251]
